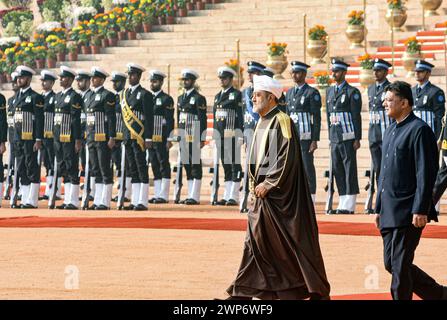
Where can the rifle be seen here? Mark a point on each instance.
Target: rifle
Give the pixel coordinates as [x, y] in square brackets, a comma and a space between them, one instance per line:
[215, 182]
[245, 187]
[122, 185]
[87, 188]
[16, 186]
[53, 187]
[329, 187]
[9, 177]
[178, 177]
[371, 189]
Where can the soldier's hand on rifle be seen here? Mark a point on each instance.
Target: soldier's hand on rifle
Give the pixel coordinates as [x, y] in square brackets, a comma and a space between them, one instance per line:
[313, 146]
[356, 145]
[2, 148]
[78, 146]
[111, 143]
[261, 191]
[148, 144]
[37, 146]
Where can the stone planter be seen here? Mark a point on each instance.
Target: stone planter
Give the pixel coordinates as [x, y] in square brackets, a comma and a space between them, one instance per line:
[366, 77]
[430, 7]
[51, 63]
[95, 49]
[277, 64]
[317, 49]
[396, 18]
[122, 35]
[356, 35]
[131, 35]
[408, 61]
[322, 91]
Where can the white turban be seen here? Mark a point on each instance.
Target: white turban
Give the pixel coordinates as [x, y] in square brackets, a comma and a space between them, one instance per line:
[265, 83]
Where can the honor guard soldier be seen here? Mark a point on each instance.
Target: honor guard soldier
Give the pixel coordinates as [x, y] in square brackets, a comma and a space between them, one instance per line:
[28, 135]
[48, 79]
[10, 120]
[250, 117]
[343, 105]
[163, 127]
[429, 100]
[304, 108]
[137, 109]
[83, 79]
[3, 139]
[378, 117]
[68, 137]
[192, 122]
[101, 133]
[119, 84]
[228, 126]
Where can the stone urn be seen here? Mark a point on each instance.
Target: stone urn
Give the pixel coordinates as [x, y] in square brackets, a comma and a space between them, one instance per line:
[317, 49]
[366, 77]
[396, 18]
[277, 64]
[322, 91]
[430, 7]
[408, 61]
[356, 35]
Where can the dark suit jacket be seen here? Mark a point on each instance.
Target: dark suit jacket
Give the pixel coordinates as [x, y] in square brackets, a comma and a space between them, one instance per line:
[407, 177]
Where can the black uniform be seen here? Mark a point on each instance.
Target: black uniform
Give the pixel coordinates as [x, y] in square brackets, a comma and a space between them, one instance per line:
[345, 125]
[192, 122]
[101, 125]
[28, 127]
[10, 121]
[141, 102]
[3, 134]
[409, 153]
[163, 126]
[250, 117]
[304, 108]
[85, 97]
[429, 105]
[378, 122]
[441, 179]
[67, 129]
[48, 141]
[116, 151]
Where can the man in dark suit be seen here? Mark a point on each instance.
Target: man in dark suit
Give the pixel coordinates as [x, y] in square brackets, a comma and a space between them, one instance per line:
[404, 201]
[429, 100]
[28, 135]
[192, 122]
[343, 106]
[304, 108]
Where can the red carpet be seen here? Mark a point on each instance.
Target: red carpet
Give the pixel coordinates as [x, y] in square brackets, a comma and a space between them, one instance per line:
[368, 296]
[334, 228]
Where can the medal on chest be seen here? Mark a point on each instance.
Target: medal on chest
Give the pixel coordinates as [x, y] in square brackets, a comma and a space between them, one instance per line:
[28, 99]
[192, 100]
[302, 99]
[343, 98]
[67, 99]
[139, 96]
[231, 96]
[51, 100]
[425, 100]
[98, 97]
[158, 102]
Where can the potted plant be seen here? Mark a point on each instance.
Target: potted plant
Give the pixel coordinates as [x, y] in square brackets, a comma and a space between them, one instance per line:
[276, 58]
[170, 13]
[3, 68]
[122, 23]
[112, 38]
[190, 5]
[60, 47]
[147, 22]
[356, 29]
[40, 54]
[72, 48]
[200, 5]
[238, 81]
[137, 18]
[95, 44]
[317, 44]
[366, 72]
[51, 58]
[411, 55]
[181, 8]
[430, 7]
[396, 14]
[323, 81]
